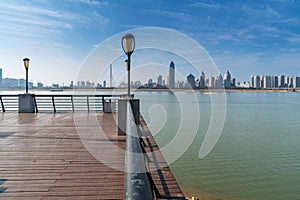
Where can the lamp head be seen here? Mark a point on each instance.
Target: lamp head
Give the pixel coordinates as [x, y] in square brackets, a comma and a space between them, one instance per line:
[128, 43]
[26, 62]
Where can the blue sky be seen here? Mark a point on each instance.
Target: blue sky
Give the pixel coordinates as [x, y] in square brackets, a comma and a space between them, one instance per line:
[246, 37]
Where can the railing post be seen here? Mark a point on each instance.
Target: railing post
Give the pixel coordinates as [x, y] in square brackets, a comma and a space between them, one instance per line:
[35, 104]
[103, 103]
[72, 103]
[2, 104]
[53, 103]
[88, 103]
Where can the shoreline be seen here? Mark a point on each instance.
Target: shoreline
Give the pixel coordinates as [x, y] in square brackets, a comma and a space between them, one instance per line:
[204, 90]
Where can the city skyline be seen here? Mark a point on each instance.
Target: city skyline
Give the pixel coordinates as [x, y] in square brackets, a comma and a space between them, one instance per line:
[196, 82]
[243, 37]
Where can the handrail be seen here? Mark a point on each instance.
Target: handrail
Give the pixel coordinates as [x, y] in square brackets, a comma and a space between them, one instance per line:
[54, 102]
[137, 182]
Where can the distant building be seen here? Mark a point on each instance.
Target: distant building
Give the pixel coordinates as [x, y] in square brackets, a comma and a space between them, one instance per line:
[191, 81]
[40, 85]
[233, 84]
[245, 84]
[256, 82]
[30, 84]
[55, 85]
[211, 82]
[262, 81]
[297, 82]
[72, 84]
[219, 81]
[22, 82]
[10, 83]
[274, 82]
[286, 81]
[227, 79]
[104, 84]
[159, 81]
[281, 81]
[172, 75]
[202, 80]
[0, 77]
[267, 82]
[150, 83]
[137, 84]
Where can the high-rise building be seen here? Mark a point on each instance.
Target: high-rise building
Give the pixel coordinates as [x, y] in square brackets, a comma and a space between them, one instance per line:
[159, 81]
[0, 78]
[150, 83]
[286, 81]
[211, 82]
[290, 82]
[267, 82]
[252, 81]
[202, 80]
[233, 84]
[219, 81]
[256, 81]
[172, 75]
[281, 81]
[274, 82]
[262, 81]
[227, 79]
[297, 82]
[191, 81]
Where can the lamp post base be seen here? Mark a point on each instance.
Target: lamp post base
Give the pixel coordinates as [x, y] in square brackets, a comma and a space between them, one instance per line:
[122, 113]
[26, 103]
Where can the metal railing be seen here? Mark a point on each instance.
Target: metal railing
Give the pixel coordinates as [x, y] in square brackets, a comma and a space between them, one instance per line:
[62, 102]
[138, 181]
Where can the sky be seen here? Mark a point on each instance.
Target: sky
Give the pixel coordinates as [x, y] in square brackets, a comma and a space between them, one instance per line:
[244, 37]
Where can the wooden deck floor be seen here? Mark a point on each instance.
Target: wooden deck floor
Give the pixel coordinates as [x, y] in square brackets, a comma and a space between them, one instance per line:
[44, 156]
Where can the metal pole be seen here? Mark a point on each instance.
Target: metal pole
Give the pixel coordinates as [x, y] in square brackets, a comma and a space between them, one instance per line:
[26, 80]
[128, 69]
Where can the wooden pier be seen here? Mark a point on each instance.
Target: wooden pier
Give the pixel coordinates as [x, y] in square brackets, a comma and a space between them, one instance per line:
[42, 156]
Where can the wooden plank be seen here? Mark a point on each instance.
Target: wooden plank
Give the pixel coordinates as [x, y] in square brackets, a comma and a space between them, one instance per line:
[45, 158]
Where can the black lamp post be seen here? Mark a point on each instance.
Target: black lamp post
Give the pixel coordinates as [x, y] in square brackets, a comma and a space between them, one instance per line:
[26, 65]
[128, 44]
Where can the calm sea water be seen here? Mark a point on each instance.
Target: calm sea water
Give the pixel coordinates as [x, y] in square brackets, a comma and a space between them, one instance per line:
[257, 155]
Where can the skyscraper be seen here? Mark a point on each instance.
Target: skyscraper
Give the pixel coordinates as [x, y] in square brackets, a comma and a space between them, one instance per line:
[227, 79]
[281, 81]
[159, 81]
[0, 78]
[267, 81]
[172, 75]
[256, 82]
[219, 81]
[191, 81]
[202, 80]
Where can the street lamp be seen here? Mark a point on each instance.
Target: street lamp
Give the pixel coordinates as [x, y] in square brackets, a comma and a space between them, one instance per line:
[128, 44]
[26, 65]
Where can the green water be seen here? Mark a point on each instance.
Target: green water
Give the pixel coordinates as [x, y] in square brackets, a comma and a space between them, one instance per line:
[257, 155]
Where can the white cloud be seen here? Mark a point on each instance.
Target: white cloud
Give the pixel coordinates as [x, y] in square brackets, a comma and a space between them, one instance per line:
[211, 5]
[95, 2]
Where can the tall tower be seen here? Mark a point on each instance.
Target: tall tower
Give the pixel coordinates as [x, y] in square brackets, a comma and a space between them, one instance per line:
[110, 76]
[172, 75]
